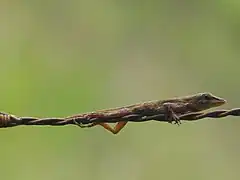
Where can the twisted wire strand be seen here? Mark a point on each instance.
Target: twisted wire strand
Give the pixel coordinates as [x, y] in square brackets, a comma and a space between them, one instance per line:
[8, 120]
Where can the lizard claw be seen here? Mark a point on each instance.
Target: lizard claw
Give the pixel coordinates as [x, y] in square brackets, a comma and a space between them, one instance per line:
[176, 120]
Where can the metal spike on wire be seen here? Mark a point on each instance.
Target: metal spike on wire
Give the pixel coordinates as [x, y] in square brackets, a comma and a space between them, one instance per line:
[8, 120]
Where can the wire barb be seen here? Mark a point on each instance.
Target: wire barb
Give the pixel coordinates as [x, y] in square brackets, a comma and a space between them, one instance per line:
[8, 120]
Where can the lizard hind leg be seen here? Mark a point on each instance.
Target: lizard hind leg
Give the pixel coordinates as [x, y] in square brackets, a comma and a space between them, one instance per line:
[118, 127]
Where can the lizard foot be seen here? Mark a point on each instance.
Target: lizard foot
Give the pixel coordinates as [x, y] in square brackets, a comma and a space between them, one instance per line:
[81, 125]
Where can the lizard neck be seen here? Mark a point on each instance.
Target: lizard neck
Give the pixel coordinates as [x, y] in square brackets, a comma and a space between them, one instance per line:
[192, 108]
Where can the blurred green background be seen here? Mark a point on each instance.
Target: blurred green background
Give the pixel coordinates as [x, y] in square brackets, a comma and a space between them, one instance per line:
[60, 58]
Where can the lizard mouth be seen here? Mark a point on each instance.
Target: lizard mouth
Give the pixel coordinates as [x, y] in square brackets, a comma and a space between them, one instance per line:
[219, 102]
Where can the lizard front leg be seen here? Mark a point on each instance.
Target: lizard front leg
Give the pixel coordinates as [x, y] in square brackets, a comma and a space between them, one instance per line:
[170, 115]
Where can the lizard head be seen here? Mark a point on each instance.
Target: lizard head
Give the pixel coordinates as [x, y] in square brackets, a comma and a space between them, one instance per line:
[204, 101]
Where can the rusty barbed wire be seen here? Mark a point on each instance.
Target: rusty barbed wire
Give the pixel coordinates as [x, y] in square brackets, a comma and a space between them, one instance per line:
[8, 120]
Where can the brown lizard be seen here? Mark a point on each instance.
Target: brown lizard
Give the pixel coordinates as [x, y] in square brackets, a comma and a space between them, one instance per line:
[170, 110]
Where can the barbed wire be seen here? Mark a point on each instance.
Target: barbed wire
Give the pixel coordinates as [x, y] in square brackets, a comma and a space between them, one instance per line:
[8, 120]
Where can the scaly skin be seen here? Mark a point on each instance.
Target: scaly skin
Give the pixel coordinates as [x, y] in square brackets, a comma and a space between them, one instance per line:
[170, 108]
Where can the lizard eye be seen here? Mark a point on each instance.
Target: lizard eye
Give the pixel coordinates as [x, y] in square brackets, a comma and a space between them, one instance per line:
[206, 96]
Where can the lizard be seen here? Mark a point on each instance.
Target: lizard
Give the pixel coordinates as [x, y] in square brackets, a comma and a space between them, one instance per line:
[170, 109]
